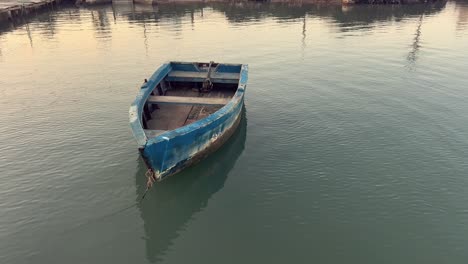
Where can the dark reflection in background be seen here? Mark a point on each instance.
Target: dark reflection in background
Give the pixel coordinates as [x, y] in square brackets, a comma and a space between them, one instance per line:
[251, 12]
[347, 17]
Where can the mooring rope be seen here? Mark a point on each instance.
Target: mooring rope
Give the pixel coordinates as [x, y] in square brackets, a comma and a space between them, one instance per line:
[96, 220]
[151, 179]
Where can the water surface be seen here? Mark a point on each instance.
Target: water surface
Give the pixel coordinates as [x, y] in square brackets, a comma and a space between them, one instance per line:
[353, 147]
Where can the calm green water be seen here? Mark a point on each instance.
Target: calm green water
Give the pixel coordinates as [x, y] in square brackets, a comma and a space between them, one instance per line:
[353, 149]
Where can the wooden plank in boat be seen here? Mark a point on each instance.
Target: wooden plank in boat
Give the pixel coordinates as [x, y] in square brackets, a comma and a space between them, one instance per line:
[219, 77]
[187, 100]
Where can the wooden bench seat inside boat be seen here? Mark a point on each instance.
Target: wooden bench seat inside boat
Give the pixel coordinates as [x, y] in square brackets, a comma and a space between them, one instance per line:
[188, 100]
[182, 105]
[191, 76]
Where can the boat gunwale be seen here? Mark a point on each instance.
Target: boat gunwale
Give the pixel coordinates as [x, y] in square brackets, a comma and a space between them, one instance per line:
[136, 109]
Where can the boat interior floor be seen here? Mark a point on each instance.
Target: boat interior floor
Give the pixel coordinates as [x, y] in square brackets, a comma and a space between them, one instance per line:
[171, 116]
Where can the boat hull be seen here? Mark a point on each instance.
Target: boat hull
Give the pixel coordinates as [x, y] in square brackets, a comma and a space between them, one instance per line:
[172, 151]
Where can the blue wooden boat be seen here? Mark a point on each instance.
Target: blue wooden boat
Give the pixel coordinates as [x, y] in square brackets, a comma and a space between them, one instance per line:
[185, 111]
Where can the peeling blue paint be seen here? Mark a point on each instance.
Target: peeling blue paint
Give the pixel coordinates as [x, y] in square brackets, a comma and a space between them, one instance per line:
[169, 151]
[136, 108]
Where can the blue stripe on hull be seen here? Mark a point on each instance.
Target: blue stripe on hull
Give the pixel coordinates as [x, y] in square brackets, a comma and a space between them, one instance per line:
[167, 153]
[136, 109]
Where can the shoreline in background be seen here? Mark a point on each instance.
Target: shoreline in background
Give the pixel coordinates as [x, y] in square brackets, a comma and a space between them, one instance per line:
[345, 2]
[14, 10]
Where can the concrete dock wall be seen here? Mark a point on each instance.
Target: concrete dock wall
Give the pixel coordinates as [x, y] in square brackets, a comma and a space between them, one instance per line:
[93, 2]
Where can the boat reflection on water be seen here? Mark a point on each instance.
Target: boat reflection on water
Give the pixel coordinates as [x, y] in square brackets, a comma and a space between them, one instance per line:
[171, 203]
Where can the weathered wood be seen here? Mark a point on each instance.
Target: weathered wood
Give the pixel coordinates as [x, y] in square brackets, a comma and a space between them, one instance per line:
[207, 84]
[187, 100]
[215, 77]
[199, 133]
[173, 116]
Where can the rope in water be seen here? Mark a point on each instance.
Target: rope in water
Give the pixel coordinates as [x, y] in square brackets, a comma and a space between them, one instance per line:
[96, 220]
[151, 179]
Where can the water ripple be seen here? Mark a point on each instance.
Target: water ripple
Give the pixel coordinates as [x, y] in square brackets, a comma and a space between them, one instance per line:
[356, 137]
